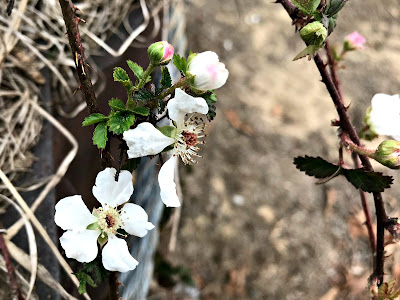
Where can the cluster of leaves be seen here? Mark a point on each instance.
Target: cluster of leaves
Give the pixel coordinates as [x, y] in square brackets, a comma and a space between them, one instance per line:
[122, 115]
[92, 274]
[317, 167]
[323, 14]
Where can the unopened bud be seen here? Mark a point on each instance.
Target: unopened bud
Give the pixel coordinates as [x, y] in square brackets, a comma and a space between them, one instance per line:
[388, 154]
[314, 33]
[354, 41]
[160, 53]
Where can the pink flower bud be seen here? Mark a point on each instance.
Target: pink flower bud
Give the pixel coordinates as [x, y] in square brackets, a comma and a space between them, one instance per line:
[160, 53]
[354, 41]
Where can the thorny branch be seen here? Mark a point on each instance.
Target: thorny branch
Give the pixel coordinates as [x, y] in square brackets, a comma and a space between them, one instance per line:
[347, 127]
[72, 22]
[368, 222]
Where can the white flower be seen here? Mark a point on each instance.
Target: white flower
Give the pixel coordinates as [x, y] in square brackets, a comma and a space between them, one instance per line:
[145, 140]
[209, 73]
[384, 116]
[80, 240]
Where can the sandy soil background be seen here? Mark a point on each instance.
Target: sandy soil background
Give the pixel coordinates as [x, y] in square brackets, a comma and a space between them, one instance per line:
[253, 227]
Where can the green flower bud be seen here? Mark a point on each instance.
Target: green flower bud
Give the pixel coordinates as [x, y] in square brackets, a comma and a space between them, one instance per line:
[314, 33]
[334, 6]
[388, 154]
[160, 53]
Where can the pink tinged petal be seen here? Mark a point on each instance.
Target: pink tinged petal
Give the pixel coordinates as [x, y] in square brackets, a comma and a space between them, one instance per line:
[183, 104]
[208, 71]
[111, 192]
[145, 140]
[356, 39]
[116, 256]
[134, 219]
[72, 213]
[167, 184]
[81, 246]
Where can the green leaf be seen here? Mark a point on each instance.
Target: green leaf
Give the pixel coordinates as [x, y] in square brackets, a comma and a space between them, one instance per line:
[210, 98]
[100, 135]
[84, 279]
[143, 111]
[120, 75]
[315, 166]
[131, 164]
[180, 63]
[166, 81]
[310, 51]
[117, 104]
[120, 122]
[307, 6]
[93, 119]
[136, 69]
[169, 131]
[370, 182]
[96, 269]
[143, 95]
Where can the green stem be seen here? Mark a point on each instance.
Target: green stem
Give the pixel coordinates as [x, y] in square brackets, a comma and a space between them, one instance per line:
[358, 149]
[170, 90]
[146, 74]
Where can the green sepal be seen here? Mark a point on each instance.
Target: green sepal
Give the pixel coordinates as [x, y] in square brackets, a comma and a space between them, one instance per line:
[210, 96]
[141, 110]
[102, 240]
[308, 7]
[93, 226]
[93, 119]
[180, 63]
[100, 135]
[168, 148]
[117, 104]
[190, 57]
[120, 122]
[169, 131]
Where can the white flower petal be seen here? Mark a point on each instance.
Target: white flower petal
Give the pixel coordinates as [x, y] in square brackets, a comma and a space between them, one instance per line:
[167, 184]
[145, 139]
[384, 117]
[111, 192]
[72, 213]
[135, 219]
[116, 256]
[183, 104]
[81, 246]
[208, 71]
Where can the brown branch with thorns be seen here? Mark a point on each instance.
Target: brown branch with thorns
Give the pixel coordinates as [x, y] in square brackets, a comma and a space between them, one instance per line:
[347, 127]
[82, 68]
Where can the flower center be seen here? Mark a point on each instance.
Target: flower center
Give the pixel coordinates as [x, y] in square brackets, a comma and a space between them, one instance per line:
[109, 220]
[188, 137]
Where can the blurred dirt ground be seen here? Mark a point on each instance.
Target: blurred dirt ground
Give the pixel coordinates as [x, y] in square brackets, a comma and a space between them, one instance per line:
[253, 227]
